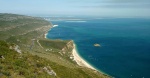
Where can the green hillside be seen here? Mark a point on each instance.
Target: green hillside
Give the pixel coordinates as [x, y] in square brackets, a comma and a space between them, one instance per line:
[25, 53]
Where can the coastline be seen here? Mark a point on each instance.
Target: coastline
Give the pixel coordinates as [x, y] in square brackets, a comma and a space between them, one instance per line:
[80, 61]
[45, 35]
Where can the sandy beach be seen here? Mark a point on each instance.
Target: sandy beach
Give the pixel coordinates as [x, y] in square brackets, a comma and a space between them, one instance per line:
[80, 60]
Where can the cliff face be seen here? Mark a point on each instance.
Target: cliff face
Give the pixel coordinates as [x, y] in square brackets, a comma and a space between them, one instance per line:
[67, 49]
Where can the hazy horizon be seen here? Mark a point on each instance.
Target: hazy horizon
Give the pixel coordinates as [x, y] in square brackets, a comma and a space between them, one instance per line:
[100, 8]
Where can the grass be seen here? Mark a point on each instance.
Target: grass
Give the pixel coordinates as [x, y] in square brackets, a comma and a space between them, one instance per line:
[11, 24]
[26, 31]
[26, 65]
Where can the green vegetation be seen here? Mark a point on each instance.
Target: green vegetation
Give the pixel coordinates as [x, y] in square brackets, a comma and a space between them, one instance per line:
[59, 44]
[26, 65]
[24, 53]
[22, 65]
[14, 25]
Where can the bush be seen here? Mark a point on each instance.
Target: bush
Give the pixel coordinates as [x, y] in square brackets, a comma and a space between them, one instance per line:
[39, 65]
[21, 73]
[1, 67]
[6, 73]
[19, 63]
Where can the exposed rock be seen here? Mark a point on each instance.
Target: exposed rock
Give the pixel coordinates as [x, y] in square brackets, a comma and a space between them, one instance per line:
[16, 48]
[2, 57]
[67, 49]
[71, 57]
[97, 45]
[50, 72]
[48, 50]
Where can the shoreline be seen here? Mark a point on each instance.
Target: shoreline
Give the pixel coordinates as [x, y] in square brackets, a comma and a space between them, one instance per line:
[45, 35]
[80, 61]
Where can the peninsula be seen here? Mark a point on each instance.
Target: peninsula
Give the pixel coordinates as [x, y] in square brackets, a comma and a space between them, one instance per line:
[26, 53]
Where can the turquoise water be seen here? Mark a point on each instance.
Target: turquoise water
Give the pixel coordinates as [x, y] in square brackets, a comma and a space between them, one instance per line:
[125, 44]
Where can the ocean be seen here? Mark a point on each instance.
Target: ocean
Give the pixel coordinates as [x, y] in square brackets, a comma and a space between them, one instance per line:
[124, 50]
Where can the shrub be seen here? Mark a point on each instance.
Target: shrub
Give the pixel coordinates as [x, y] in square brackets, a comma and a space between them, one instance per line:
[39, 65]
[19, 63]
[6, 73]
[1, 67]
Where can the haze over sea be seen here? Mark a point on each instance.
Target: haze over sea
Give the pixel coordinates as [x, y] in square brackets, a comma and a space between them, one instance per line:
[125, 44]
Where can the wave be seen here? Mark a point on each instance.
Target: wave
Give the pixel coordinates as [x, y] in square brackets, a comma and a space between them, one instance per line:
[55, 25]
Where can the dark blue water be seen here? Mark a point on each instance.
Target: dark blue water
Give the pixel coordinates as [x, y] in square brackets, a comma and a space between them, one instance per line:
[125, 44]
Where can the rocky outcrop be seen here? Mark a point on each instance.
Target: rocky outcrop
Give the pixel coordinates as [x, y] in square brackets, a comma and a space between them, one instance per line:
[49, 70]
[16, 48]
[97, 45]
[68, 48]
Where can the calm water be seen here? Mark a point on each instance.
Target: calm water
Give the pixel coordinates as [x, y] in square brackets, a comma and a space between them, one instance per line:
[125, 44]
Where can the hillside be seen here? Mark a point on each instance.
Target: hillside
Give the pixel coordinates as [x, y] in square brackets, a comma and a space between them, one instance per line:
[25, 53]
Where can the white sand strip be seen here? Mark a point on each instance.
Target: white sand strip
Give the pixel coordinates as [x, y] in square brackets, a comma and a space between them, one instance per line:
[80, 60]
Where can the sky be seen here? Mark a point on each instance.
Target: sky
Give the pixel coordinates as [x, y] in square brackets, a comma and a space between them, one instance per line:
[101, 8]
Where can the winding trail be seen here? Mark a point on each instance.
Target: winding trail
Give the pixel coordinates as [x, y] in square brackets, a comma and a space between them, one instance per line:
[39, 44]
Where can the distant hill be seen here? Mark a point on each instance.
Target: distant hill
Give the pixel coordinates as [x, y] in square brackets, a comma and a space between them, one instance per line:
[17, 25]
[25, 53]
